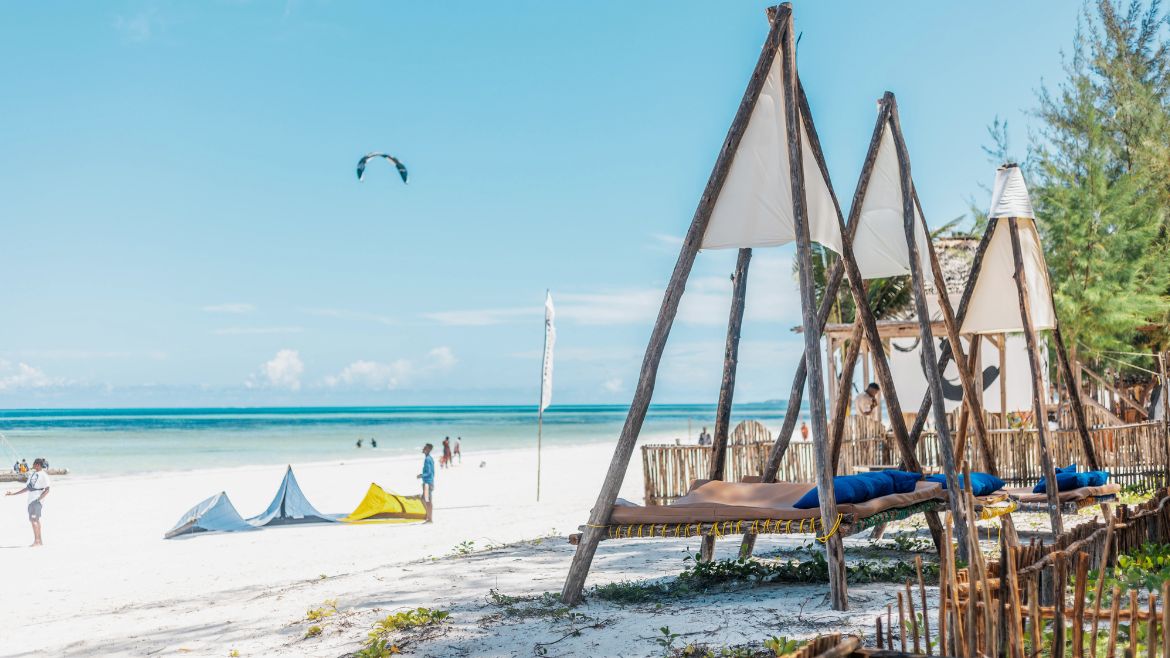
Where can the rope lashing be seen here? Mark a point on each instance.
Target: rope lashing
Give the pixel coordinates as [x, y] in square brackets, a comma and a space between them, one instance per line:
[832, 532]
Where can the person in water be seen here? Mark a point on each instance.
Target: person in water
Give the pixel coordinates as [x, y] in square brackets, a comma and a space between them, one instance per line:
[428, 482]
[373, 442]
[37, 488]
[359, 443]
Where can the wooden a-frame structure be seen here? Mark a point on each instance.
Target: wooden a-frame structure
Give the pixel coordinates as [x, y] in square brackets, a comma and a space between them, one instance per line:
[773, 114]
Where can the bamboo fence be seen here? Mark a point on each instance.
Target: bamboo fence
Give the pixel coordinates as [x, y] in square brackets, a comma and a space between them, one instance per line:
[1040, 600]
[1134, 454]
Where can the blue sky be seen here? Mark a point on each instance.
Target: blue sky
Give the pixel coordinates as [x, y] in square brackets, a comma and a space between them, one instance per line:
[182, 224]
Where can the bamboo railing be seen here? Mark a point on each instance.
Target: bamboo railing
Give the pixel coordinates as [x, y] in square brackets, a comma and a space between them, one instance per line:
[1133, 454]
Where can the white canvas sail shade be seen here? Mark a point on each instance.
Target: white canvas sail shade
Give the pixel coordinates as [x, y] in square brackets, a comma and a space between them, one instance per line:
[754, 208]
[994, 305]
[879, 246]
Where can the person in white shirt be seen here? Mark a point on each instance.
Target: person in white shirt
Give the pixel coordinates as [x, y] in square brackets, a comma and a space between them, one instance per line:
[37, 487]
[866, 404]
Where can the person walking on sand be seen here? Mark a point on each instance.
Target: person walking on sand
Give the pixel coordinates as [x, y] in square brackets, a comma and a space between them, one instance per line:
[459, 448]
[428, 482]
[446, 459]
[37, 487]
[804, 430]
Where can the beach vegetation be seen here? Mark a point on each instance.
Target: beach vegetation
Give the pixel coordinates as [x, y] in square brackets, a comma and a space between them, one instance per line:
[328, 608]
[463, 548]
[666, 639]
[378, 644]
[546, 605]
[313, 631]
[234, 653]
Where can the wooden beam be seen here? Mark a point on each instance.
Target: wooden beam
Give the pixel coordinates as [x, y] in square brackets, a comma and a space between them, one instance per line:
[727, 386]
[836, 274]
[946, 354]
[599, 517]
[1074, 397]
[1037, 380]
[886, 329]
[834, 550]
[1003, 381]
[958, 504]
[841, 408]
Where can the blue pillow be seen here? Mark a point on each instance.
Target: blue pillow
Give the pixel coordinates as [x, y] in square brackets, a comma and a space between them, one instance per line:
[846, 489]
[1071, 468]
[1096, 478]
[982, 484]
[1069, 481]
[904, 481]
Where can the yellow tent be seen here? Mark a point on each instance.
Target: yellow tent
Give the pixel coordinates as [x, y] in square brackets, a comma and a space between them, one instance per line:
[381, 506]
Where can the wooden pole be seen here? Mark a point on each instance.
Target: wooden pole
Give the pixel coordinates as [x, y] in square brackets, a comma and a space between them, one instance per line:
[933, 376]
[727, 387]
[539, 431]
[841, 406]
[946, 354]
[836, 275]
[834, 549]
[1165, 400]
[1037, 380]
[968, 410]
[967, 370]
[1003, 410]
[599, 517]
[1074, 396]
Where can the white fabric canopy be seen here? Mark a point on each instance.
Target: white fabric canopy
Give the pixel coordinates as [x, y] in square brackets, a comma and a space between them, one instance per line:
[879, 246]
[754, 208]
[994, 305]
[1009, 197]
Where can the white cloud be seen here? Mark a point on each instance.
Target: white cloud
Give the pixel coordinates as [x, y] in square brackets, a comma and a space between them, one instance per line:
[234, 308]
[666, 242]
[283, 371]
[23, 376]
[482, 317]
[256, 331]
[139, 27]
[84, 355]
[394, 374]
[613, 385]
[344, 314]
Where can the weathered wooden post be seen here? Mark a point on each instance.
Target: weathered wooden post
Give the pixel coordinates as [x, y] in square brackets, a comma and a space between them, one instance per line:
[727, 386]
[1037, 380]
[834, 549]
[599, 516]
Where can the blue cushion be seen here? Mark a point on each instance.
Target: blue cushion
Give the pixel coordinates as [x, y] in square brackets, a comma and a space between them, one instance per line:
[904, 481]
[1096, 478]
[982, 484]
[850, 489]
[1064, 482]
[1071, 468]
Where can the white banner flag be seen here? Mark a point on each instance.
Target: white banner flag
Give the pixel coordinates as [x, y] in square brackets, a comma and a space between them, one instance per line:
[550, 337]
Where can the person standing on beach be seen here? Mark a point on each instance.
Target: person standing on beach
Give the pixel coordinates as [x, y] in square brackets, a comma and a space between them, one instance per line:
[459, 448]
[37, 488]
[428, 482]
[446, 459]
[804, 430]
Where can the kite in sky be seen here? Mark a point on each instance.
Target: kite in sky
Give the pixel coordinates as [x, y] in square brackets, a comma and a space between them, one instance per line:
[361, 167]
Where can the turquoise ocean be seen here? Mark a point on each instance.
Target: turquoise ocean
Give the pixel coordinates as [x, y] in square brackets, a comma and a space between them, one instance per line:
[97, 442]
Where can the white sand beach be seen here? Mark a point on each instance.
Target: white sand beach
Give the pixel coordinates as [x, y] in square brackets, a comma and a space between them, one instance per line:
[107, 583]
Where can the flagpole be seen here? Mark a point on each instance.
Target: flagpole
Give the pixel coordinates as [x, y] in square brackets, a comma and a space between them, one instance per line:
[540, 403]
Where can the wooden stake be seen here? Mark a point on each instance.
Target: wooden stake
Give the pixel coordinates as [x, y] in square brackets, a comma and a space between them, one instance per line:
[834, 550]
[1151, 626]
[1102, 570]
[1017, 630]
[1134, 623]
[1078, 622]
[925, 610]
[841, 408]
[1074, 396]
[901, 623]
[1113, 613]
[1165, 619]
[933, 376]
[1034, 619]
[599, 517]
[1061, 573]
[913, 618]
[727, 386]
[1038, 388]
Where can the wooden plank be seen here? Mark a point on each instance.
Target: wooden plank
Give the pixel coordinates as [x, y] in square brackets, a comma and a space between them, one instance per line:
[1038, 387]
[834, 550]
[583, 557]
[727, 386]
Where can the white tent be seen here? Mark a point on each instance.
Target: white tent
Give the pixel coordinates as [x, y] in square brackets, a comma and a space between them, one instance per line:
[993, 307]
[754, 208]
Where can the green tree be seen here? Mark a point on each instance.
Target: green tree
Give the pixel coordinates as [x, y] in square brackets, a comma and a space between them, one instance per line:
[1099, 177]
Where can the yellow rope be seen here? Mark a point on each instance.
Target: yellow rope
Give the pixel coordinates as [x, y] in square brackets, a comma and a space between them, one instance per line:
[831, 532]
